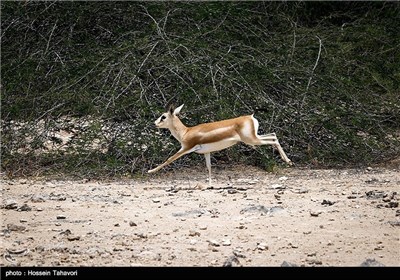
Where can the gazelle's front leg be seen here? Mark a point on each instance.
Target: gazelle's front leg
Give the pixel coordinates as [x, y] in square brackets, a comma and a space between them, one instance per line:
[208, 163]
[183, 151]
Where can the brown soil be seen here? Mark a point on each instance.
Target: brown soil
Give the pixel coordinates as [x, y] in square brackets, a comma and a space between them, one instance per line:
[250, 217]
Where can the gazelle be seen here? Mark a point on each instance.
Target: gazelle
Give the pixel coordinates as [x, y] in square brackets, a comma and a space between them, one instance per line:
[215, 136]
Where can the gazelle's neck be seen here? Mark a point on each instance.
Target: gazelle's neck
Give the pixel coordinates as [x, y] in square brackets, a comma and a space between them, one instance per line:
[178, 129]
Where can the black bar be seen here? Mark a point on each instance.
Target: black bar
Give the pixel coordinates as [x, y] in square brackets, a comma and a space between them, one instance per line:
[75, 273]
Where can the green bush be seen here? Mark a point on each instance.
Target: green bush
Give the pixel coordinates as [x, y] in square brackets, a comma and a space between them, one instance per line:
[323, 75]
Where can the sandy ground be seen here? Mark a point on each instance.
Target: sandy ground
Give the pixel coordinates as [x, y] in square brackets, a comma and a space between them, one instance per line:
[294, 216]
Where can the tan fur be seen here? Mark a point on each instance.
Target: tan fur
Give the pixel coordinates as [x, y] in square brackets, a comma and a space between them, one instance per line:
[209, 137]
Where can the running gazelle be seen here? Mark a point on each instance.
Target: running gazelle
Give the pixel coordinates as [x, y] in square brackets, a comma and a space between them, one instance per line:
[214, 136]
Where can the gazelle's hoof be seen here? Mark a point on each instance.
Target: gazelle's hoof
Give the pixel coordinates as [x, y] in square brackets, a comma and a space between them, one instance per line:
[200, 186]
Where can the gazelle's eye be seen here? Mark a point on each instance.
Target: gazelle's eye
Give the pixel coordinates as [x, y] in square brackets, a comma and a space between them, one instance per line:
[163, 117]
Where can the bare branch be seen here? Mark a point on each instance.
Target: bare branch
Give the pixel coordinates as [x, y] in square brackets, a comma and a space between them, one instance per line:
[316, 63]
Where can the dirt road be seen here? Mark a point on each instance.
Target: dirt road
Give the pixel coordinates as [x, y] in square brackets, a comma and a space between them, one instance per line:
[295, 216]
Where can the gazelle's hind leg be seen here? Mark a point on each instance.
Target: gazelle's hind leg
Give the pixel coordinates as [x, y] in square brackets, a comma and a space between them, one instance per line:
[271, 139]
[278, 146]
[269, 136]
[266, 139]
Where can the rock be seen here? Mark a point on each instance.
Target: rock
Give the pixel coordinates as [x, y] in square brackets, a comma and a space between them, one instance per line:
[194, 233]
[66, 232]
[262, 246]
[261, 209]
[61, 217]
[213, 242]
[13, 227]
[394, 223]
[392, 204]
[57, 197]
[313, 261]
[226, 242]
[232, 191]
[327, 202]
[371, 263]
[37, 198]
[315, 213]
[24, 207]
[238, 253]
[149, 255]
[193, 242]
[10, 204]
[231, 261]
[132, 224]
[193, 213]
[73, 238]
[288, 264]
[277, 187]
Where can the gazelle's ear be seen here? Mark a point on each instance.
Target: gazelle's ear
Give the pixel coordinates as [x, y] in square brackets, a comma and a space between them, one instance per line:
[171, 109]
[177, 110]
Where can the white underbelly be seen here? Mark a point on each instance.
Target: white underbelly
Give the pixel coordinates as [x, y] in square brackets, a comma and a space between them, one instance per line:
[216, 146]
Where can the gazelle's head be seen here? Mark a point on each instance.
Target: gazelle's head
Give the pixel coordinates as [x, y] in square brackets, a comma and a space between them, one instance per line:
[166, 120]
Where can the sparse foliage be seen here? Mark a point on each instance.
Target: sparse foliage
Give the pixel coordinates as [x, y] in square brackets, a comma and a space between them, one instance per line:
[83, 82]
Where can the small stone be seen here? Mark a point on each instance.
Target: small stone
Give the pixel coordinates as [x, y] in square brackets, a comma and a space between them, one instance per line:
[371, 263]
[193, 242]
[232, 260]
[12, 227]
[232, 191]
[37, 198]
[132, 224]
[277, 187]
[73, 238]
[213, 242]
[327, 202]
[313, 261]
[262, 246]
[155, 200]
[194, 233]
[10, 204]
[315, 213]
[226, 242]
[288, 264]
[24, 207]
[61, 217]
